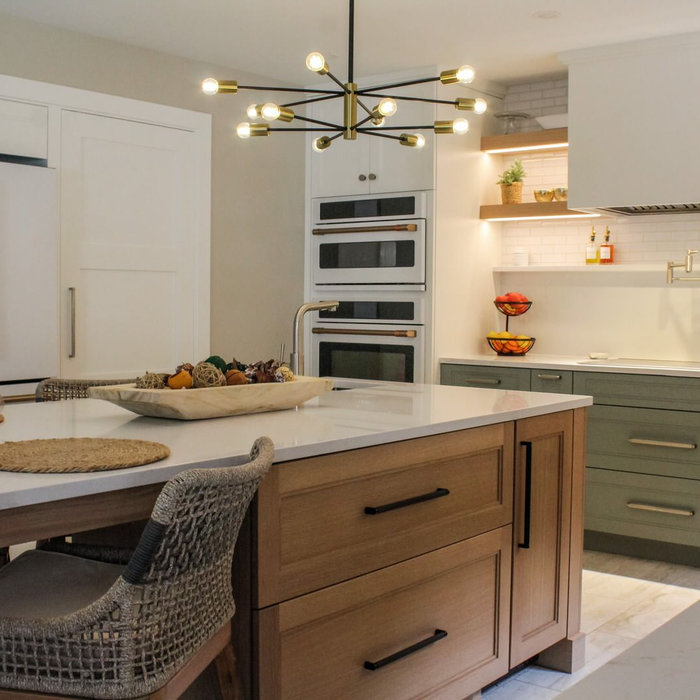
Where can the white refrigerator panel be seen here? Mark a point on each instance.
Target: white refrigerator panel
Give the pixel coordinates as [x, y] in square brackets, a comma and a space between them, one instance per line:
[28, 273]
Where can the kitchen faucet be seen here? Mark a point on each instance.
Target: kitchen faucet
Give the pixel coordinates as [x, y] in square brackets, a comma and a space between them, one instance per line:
[687, 266]
[296, 359]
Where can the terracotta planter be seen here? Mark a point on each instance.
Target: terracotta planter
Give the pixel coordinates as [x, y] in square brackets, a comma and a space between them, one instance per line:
[512, 194]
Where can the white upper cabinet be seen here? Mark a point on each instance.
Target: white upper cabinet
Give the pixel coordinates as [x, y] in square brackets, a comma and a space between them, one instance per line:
[374, 164]
[633, 123]
[23, 129]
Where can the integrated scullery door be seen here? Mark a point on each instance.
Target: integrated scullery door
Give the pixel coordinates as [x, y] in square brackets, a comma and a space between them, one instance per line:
[129, 286]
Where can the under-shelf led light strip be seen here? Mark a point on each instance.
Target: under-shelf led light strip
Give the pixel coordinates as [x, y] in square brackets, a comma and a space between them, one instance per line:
[522, 149]
[541, 216]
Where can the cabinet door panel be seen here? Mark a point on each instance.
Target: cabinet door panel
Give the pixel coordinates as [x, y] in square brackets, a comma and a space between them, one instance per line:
[298, 552]
[128, 210]
[324, 639]
[540, 571]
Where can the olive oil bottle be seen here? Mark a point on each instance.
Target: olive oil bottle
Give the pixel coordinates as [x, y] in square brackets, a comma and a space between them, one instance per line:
[592, 250]
[607, 249]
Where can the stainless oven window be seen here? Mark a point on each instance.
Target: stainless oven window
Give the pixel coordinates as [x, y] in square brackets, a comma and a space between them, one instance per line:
[367, 254]
[375, 208]
[392, 363]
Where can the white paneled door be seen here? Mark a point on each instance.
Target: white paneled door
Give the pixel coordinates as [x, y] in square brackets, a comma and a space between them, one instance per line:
[128, 219]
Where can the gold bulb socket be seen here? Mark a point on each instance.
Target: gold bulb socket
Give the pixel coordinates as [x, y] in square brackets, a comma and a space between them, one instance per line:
[408, 140]
[443, 127]
[229, 86]
[322, 142]
[449, 77]
[286, 114]
[466, 103]
[259, 129]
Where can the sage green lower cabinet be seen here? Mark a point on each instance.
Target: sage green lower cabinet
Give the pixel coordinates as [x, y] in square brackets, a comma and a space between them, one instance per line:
[657, 508]
[551, 381]
[485, 377]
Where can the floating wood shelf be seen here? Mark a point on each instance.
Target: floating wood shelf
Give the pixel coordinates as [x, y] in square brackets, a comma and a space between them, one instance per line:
[529, 141]
[530, 210]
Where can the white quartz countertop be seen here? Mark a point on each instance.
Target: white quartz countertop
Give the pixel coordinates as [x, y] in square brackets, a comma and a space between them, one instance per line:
[582, 363]
[339, 420]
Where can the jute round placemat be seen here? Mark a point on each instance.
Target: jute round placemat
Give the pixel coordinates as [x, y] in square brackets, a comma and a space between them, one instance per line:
[65, 455]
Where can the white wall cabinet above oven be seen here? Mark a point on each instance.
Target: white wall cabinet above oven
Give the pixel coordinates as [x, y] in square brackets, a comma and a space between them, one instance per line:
[23, 129]
[372, 164]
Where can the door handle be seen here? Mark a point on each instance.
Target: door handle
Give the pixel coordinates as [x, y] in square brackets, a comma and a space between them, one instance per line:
[375, 665]
[364, 229]
[549, 377]
[686, 512]
[479, 380]
[525, 544]
[376, 510]
[71, 301]
[663, 443]
[358, 331]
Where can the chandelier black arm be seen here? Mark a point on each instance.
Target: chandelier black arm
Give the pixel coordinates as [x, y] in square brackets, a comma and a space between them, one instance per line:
[335, 80]
[401, 128]
[314, 99]
[361, 122]
[402, 84]
[365, 107]
[330, 125]
[308, 128]
[277, 88]
[405, 97]
[376, 132]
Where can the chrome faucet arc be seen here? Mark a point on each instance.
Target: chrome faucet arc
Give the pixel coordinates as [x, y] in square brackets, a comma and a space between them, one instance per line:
[296, 359]
[687, 266]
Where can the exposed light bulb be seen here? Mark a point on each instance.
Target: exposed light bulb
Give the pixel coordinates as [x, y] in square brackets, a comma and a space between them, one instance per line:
[243, 130]
[270, 111]
[210, 86]
[387, 107]
[480, 105]
[465, 74]
[412, 140]
[253, 111]
[378, 121]
[460, 126]
[420, 140]
[321, 143]
[315, 61]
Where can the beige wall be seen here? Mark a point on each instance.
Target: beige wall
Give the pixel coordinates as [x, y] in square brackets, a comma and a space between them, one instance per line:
[257, 247]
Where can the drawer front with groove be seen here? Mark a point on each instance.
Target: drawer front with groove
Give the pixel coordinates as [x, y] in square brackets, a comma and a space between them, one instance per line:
[640, 390]
[551, 381]
[435, 625]
[638, 505]
[644, 440]
[483, 377]
[325, 519]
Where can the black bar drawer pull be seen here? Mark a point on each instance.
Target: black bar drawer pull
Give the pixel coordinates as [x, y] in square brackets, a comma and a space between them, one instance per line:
[525, 544]
[375, 665]
[375, 510]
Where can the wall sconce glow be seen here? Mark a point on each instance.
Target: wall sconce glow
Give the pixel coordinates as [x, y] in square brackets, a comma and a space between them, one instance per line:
[321, 143]
[412, 140]
[522, 149]
[317, 63]
[531, 218]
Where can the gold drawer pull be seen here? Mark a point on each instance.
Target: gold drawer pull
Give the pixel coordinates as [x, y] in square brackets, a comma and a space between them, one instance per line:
[663, 443]
[685, 512]
[550, 377]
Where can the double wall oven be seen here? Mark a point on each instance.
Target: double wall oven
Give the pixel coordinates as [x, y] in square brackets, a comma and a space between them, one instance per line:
[370, 254]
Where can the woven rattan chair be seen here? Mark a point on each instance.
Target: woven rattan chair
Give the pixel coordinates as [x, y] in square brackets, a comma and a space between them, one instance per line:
[79, 628]
[56, 389]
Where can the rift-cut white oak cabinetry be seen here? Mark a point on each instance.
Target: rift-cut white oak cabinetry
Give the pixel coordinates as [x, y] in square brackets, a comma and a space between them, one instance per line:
[372, 164]
[385, 572]
[133, 220]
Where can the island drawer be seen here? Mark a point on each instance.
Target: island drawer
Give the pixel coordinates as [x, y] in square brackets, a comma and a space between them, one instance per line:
[640, 390]
[638, 505]
[326, 519]
[483, 377]
[645, 440]
[454, 600]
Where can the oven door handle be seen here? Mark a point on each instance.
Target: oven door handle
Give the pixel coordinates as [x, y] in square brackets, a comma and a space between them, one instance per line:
[358, 331]
[364, 229]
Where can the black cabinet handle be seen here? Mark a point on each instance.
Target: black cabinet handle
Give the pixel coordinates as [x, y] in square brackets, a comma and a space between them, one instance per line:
[525, 544]
[375, 510]
[374, 665]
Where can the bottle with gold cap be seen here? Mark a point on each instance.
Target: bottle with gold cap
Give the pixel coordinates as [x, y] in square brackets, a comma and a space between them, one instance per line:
[607, 249]
[592, 250]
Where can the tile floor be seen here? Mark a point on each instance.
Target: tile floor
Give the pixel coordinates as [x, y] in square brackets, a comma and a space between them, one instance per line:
[624, 599]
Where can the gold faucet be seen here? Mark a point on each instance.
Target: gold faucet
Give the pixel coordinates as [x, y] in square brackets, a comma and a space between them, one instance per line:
[687, 266]
[296, 359]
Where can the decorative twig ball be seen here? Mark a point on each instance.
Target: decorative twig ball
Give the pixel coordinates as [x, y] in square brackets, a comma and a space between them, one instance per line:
[151, 380]
[206, 374]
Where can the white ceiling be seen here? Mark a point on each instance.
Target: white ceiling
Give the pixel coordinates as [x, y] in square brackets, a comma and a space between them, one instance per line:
[507, 41]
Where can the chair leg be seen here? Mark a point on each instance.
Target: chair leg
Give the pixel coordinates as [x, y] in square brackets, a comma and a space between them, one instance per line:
[229, 680]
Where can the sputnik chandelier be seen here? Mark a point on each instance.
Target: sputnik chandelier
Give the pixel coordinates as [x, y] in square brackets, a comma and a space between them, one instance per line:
[374, 121]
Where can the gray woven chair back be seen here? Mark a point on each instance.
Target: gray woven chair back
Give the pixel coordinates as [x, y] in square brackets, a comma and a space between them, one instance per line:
[57, 389]
[173, 595]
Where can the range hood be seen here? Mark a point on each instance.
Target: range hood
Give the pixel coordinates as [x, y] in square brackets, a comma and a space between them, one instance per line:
[634, 134]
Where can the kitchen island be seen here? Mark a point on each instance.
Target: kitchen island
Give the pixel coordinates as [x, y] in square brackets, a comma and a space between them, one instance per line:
[377, 558]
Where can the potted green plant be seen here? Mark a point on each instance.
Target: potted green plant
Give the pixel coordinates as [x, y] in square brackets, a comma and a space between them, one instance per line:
[511, 182]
